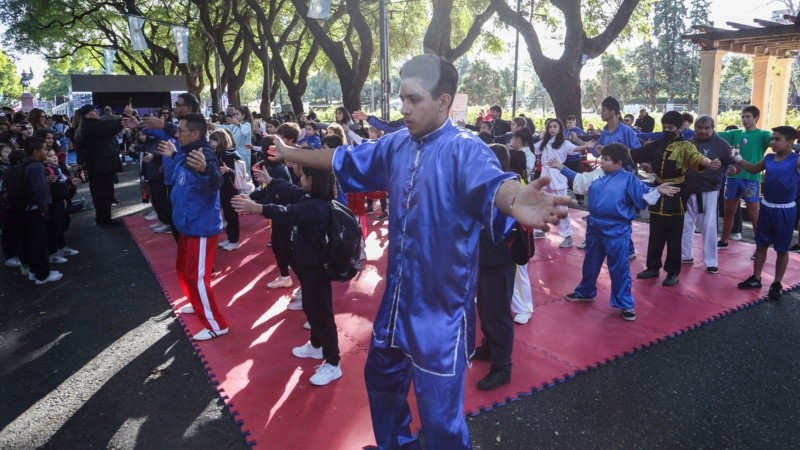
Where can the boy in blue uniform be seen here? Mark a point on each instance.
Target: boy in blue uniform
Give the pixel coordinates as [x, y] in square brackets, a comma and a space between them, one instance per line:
[614, 196]
[776, 217]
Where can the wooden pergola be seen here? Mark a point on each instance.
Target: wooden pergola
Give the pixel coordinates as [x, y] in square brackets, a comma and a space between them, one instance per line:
[772, 45]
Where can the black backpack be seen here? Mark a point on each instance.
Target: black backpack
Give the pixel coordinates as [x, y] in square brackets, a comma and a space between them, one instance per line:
[343, 258]
[12, 188]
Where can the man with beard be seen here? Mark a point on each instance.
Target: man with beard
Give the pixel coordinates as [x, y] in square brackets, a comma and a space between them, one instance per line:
[704, 192]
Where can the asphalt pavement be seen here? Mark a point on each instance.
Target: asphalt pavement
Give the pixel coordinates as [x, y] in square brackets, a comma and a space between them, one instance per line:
[97, 360]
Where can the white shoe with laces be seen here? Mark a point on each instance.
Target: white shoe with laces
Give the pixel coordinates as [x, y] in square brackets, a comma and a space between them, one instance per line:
[325, 374]
[222, 244]
[736, 236]
[205, 334]
[280, 282]
[67, 251]
[55, 259]
[54, 275]
[151, 216]
[297, 294]
[522, 318]
[295, 305]
[13, 262]
[163, 229]
[153, 226]
[307, 351]
[231, 246]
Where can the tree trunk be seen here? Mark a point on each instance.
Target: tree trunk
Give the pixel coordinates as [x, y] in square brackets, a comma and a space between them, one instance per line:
[563, 84]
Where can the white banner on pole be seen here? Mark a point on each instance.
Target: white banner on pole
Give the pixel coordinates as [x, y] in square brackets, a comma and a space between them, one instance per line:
[108, 59]
[181, 35]
[138, 42]
[319, 9]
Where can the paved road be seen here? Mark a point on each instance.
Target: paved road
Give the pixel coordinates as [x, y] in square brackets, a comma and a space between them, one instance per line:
[98, 361]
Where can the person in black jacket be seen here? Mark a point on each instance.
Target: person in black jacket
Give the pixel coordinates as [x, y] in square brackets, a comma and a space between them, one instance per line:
[644, 123]
[101, 156]
[307, 210]
[496, 271]
[222, 142]
[30, 196]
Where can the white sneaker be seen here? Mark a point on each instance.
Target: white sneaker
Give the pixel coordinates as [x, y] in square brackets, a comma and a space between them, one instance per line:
[581, 244]
[55, 259]
[153, 226]
[53, 276]
[297, 294]
[295, 305]
[188, 309]
[205, 334]
[67, 251]
[307, 325]
[280, 282]
[151, 216]
[231, 246]
[521, 318]
[164, 229]
[736, 236]
[307, 351]
[325, 374]
[222, 244]
[13, 262]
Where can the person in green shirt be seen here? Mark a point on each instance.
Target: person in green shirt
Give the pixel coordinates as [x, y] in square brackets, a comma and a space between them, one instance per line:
[751, 143]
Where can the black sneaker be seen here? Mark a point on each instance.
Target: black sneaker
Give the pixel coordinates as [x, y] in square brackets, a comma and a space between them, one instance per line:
[494, 379]
[482, 353]
[575, 297]
[649, 273]
[629, 314]
[712, 269]
[721, 245]
[775, 291]
[750, 283]
[671, 280]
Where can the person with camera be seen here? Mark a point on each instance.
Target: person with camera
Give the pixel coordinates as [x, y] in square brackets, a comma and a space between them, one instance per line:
[98, 139]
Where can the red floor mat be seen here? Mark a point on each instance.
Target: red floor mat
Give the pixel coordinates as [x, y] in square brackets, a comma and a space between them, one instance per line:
[267, 389]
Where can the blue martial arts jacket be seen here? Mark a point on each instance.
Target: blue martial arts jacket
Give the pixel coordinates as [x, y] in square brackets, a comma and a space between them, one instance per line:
[441, 190]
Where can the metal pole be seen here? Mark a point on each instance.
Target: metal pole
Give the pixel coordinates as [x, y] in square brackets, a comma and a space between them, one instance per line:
[386, 87]
[516, 64]
[213, 43]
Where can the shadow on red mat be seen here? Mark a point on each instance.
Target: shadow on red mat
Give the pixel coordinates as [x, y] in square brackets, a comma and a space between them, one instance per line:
[267, 389]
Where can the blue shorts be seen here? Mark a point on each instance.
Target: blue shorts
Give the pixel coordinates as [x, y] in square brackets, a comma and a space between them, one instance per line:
[775, 227]
[747, 190]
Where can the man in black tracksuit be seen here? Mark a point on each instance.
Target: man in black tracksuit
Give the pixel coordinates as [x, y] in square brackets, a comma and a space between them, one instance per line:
[101, 157]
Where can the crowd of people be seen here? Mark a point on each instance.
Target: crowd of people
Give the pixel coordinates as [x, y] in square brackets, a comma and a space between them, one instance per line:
[450, 200]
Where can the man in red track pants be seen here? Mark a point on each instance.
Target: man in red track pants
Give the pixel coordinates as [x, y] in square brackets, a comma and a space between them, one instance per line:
[196, 215]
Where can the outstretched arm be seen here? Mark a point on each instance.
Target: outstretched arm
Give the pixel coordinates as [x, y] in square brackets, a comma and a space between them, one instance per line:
[752, 168]
[319, 159]
[530, 205]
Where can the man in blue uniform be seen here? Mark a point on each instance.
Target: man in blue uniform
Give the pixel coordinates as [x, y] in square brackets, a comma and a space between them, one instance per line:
[444, 184]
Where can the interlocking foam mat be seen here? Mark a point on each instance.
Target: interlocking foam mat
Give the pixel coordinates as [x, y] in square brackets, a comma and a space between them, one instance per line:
[267, 391]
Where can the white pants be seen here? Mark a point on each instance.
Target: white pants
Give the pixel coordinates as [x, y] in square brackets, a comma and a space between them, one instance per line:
[708, 226]
[564, 225]
[522, 300]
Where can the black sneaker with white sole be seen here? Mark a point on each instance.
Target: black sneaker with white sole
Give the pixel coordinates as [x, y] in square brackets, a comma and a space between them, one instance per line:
[750, 283]
[629, 314]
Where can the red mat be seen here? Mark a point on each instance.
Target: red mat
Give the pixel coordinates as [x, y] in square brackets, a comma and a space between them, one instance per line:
[267, 389]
